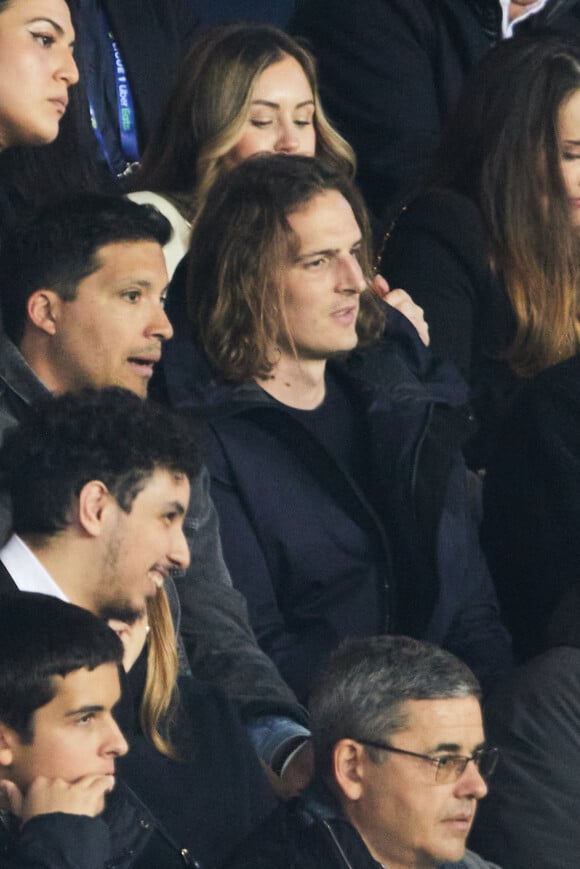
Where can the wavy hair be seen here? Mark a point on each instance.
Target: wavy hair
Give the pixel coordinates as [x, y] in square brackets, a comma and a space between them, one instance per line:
[209, 105]
[502, 149]
[240, 246]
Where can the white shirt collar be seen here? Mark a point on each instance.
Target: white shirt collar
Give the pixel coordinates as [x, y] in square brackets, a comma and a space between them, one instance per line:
[26, 570]
[507, 26]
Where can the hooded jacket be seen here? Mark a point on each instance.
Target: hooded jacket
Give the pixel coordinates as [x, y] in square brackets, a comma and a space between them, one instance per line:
[318, 558]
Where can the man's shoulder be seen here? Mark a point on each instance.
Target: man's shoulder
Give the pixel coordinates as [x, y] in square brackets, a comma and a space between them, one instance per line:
[19, 385]
[289, 837]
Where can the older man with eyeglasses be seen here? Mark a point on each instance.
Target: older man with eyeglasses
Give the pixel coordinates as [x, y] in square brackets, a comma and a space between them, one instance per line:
[401, 762]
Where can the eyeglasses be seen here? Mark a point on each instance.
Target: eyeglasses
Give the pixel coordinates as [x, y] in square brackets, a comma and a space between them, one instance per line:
[448, 767]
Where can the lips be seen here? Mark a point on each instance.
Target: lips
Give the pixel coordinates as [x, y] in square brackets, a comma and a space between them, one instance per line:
[144, 364]
[462, 821]
[346, 314]
[60, 102]
[158, 575]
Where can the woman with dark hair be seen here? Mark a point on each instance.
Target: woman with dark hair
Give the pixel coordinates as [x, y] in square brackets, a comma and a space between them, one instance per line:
[37, 70]
[489, 246]
[191, 761]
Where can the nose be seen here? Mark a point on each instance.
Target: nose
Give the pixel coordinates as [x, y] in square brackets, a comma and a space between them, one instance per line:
[68, 70]
[115, 744]
[351, 278]
[471, 783]
[287, 141]
[180, 556]
[160, 327]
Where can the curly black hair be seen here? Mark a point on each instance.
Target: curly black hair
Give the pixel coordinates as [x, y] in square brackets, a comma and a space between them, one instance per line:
[110, 435]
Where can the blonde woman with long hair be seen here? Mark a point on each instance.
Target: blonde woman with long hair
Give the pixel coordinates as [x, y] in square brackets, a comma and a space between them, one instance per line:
[242, 89]
[203, 780]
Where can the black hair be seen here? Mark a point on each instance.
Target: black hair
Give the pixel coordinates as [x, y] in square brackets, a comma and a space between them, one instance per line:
[42, 637]
[110, 435]
[58, 247]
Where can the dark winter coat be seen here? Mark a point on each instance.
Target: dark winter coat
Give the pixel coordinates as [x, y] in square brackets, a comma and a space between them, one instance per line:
[532, 504]
[312, 832]
[317, 558]
[530, 816]
[436, 248]
[124, 836]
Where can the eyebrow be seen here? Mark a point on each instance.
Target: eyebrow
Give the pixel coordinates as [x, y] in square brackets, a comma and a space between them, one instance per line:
[177, 506]
[272, 105]
[84, 710]
[571, 141]
[51, 21]
[453, 747]
[331, 251]
[141, 283]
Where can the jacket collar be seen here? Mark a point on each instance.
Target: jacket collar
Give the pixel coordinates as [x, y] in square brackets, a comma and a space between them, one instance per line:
[318, 805]
[398, 366]
[17, 376]
[489, 14]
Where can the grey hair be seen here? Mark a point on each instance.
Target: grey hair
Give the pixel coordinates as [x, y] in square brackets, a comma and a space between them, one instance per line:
[361, 691]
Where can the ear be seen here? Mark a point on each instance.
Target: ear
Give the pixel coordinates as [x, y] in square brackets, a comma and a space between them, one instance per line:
[93, 507]
[43, 308]
[348, 768]
[7, 740]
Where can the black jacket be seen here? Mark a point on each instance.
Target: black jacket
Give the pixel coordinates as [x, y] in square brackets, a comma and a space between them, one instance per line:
[312, 832]
[320, 558]
[530, 816]
[532, 504]
[390, 70]
[436, 248]
[125, 836]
